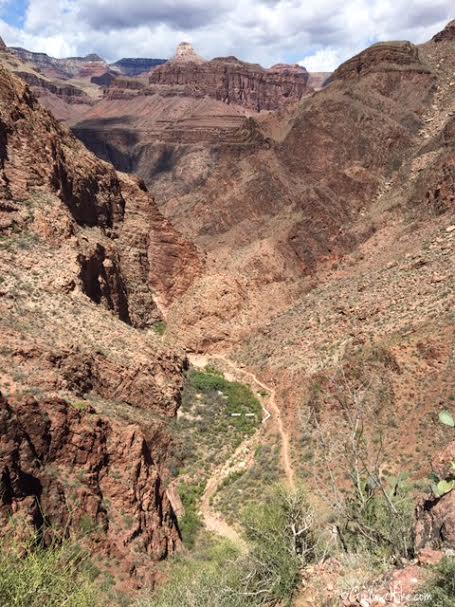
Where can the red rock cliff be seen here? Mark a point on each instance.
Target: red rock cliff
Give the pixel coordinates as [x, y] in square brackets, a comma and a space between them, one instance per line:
[85, 258]
[234, 82]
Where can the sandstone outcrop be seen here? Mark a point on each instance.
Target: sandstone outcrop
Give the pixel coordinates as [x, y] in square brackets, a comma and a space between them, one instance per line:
[382, 57]
[67, 92]
[185, 53]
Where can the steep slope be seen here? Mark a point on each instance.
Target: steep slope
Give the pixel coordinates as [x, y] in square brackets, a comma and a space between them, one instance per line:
[270, 214]
[374, 328]
[63, 86]
[342, 297]
[328, 230]
[85, 257]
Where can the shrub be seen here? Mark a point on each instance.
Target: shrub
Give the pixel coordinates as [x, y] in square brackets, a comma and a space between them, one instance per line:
[440, 590]
[160, 327]
[282, 543]
[378, 519]
[209, 578]
[240, 398]
[191, 522]
[32, 576]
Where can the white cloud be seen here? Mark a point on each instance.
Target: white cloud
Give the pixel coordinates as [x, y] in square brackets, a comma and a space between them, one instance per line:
[325, 59]
[319, 35]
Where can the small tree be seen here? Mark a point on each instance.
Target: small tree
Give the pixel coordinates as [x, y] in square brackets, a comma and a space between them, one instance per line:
[377, 515]
[282, 544]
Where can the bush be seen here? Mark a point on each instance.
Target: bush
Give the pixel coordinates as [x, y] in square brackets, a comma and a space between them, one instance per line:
[160, 327]
[379, 519]
[191, 522]
[440, 590]
[208, 579]
[37, 577]
[282, 543]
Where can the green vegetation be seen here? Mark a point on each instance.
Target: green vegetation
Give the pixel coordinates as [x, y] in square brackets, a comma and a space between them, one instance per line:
[440, 590]
[79, 405]
[160, 327]
[282, 538]
[23, 240]
[378, 519]
[32, 576]
[206, 578]
[240, 400]
[206, 433]
[245, 488]
[282, 543]
[191, 522]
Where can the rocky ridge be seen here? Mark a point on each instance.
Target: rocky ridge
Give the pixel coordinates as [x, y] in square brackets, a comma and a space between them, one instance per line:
[64, 69]
[86, 259]
[231, 81]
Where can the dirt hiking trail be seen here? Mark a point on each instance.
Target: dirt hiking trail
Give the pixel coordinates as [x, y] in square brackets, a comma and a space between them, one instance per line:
[243, 457]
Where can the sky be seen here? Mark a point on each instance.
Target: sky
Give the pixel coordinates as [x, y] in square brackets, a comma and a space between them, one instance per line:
[319, 34]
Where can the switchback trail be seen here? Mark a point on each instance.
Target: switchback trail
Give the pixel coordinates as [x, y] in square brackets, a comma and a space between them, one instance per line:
[243, 457]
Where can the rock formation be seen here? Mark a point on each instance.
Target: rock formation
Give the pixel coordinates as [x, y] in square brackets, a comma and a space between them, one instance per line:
[327, 227]
[381, 57]
[447, 34]
[46, 444]
[85, 257]
[185, 53]
[65, 69]
[231, 81]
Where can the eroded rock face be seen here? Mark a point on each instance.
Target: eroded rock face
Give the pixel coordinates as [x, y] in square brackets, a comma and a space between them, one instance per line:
[119, 493]
[86, 259]
[231, 81]
[447, 34]
[381, 57]
[46, 156]
[71, 67]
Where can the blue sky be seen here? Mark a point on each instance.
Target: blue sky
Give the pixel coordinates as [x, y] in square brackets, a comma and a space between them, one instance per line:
[14, 12]
[319, 35]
